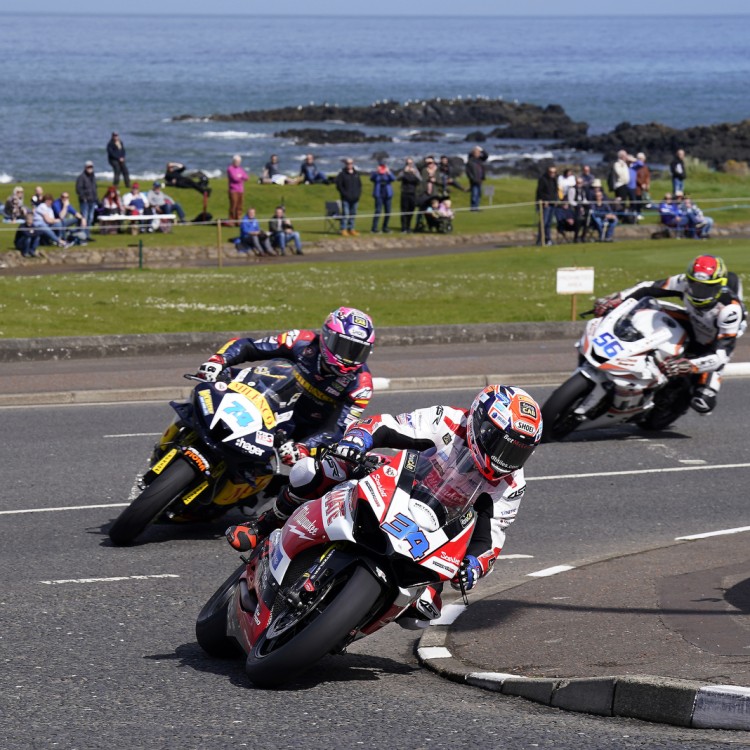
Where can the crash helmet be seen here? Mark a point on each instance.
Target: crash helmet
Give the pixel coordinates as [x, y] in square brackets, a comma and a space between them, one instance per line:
[706, 278]
[504, 426]
[346, 340]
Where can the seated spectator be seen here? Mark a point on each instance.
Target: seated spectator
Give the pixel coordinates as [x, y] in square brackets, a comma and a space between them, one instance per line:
[596, 184]
[282, 232]
[587, 176]
[70, 216]
[161, 203]
[175, 176]
[38, 196]
[698, 225]
[111, 205]
[49, 226]
[27, 237]
[252, 237]
[568, 220]
[14, 209]
[310, 174]
[670, 213]
[135, 203]
[624, 214]
[603, 216]
[431, 214]
[272, 175]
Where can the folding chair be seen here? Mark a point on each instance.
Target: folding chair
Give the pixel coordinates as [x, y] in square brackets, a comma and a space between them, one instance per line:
[332, 216]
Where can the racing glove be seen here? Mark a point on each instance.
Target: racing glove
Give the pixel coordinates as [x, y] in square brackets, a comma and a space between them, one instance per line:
[353, 446]
[469, 573]
[603, 305]
[291, 452]
[675, 367]
[210, 370]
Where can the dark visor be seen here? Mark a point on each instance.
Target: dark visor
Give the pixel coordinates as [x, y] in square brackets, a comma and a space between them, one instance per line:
[505, 453]
[704, 289]
[344, 348]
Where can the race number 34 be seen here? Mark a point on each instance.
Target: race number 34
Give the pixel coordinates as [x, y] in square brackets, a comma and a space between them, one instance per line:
[402, 527]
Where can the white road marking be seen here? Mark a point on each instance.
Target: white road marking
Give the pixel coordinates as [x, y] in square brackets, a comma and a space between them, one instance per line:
[550, 571]
[712, 533]
[449, 614]
[515, 557]
[133, 434]
[633, 472]
[113, 578]
[68, 507]
[434, 652]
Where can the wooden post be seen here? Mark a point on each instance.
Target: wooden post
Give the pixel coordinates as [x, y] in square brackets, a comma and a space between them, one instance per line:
[573, 307]
[220, 253]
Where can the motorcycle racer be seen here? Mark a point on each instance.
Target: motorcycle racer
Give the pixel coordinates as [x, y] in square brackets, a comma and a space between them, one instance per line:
[335, 382]
[714, 318]
[501, 430]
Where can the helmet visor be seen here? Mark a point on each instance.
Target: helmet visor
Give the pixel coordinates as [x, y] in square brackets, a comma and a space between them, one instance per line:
[347, 350]
[505, 453]
[704, 292]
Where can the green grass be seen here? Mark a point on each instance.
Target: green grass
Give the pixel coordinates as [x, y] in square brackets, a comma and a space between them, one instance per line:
[502, 285]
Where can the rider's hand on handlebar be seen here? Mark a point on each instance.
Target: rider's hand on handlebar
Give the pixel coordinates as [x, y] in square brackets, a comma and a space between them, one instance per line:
[603, 305]
[469, 573]
[676, 367]
[291, 452]
[354, 445]
[210, 371]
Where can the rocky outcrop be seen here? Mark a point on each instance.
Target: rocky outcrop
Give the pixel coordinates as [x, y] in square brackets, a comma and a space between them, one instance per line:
[515, 119]
[304, 136]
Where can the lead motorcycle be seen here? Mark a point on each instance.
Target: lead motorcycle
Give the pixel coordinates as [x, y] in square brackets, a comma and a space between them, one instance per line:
[343, 566]
[618, 379]
[220, 451]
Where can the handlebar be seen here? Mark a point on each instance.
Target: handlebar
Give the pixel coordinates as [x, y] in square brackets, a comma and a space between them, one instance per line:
[587, 313]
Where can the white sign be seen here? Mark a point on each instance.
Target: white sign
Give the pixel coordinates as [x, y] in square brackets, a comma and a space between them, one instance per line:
[575, 280]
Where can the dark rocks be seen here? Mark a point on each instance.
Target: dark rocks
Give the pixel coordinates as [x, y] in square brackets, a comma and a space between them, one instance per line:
[313, 135]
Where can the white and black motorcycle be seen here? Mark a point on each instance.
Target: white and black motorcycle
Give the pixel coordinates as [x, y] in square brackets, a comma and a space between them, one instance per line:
[618, 378]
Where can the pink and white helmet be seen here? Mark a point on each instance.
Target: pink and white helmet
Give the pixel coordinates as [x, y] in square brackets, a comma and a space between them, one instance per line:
[346, 339]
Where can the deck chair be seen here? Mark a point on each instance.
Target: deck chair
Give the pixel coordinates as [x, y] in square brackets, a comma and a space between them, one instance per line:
[332, 216]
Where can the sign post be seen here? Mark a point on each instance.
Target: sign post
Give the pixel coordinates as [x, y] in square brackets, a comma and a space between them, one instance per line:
[572, 281]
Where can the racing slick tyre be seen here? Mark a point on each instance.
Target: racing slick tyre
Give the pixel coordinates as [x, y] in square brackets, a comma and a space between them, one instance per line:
[670, 403]
[152, 502]
[557, 411]
[211, 625]
[304, 638]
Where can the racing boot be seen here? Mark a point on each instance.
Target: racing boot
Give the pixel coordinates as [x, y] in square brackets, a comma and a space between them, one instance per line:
[703, 400]
[423, 610]
[245, 537]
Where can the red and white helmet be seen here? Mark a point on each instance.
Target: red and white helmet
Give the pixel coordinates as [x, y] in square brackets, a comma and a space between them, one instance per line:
[346, 339]
[504, 426]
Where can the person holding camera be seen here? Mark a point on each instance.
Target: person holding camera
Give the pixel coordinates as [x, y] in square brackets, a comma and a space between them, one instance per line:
[476, 173]
[382, 191]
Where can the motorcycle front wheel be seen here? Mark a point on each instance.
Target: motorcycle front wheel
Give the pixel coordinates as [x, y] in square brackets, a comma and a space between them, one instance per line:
[557, 411]
[315, 633]
[211, 625]
[152, 502]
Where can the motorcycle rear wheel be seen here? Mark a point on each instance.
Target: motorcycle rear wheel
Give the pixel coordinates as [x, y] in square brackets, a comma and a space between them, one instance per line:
[557, 411]
[152, 502]
[670, 403]
[211, 625]
[274, 661]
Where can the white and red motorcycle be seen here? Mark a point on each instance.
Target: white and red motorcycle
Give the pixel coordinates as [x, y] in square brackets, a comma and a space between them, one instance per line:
[618, 377]
[343, 566]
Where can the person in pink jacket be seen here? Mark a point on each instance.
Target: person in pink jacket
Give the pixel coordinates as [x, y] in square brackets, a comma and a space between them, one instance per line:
[237, 177]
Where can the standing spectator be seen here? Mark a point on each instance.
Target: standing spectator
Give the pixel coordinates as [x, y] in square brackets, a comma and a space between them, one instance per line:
[603, 215]
[14, 209]
[49, 226]
[27, 237]
[475, 172]
[678, 171]
[430, 189]
[578, 199]
[252, 237]
[237, 177]
[88, 198]
[546, 199]
[410, 179]
[69, 216]
[446, 179]
[382, 191]
[310, 174]
[349, 186]
[587, 176]
[161, 203]
[633, 166]
[565, 182]
[116, 159]
[642, 185]
[282, 232]
[620, 176]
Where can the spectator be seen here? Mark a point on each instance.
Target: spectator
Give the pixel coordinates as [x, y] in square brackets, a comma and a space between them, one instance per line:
[619, 176]
[111, 205]
[596, 184]
[410, 180]
[578, 199]
[568, 220]
[49, 226]
[236, 177]
[382, 191]
[446, 179]
[565, 182]
[272, 175]
[252, 237]
[604, 217]
[699, 225]
[432, 214]
[282, 232]
[642, 185]
[14, 209]
[546, 200]
[349, 186]
[310, 174]
[670, 212]
[116, 159]
[175, 176]
[430, 189]
[70, 216]
[678, 171]
[135, 203]
[27, 237]
[587, 176]
[633, 166]
[161, 203]
[88, 197]
[475, 172]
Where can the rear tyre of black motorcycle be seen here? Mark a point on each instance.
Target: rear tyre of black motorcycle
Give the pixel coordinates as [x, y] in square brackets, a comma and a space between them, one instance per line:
[670, 403]
[557, 411]
[211, 625]
[153, 501]
[270, 667]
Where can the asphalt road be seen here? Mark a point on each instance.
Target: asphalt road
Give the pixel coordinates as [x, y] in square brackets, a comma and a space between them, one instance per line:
[92, 663]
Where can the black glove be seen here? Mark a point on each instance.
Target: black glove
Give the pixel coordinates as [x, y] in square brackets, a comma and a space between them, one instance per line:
[603, 305]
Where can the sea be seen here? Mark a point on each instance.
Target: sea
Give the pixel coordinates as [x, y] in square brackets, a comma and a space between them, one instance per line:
[69, 80]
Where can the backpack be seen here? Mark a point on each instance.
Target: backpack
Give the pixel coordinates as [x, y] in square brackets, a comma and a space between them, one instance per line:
[611, 177]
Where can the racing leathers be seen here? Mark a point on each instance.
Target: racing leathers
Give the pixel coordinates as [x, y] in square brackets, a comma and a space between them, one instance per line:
[329, 401]
[712, 330]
